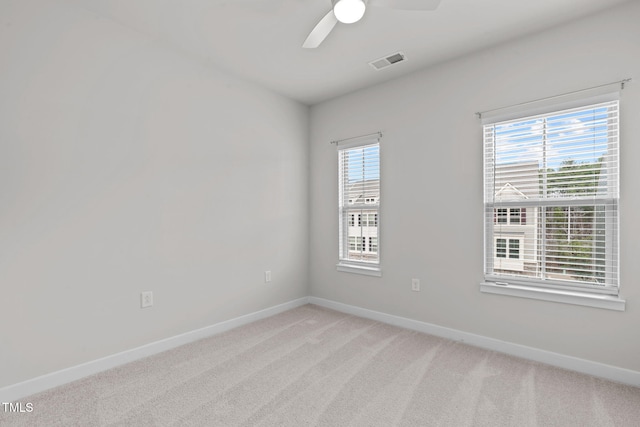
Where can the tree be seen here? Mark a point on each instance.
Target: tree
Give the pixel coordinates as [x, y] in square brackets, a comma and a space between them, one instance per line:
[569, 230]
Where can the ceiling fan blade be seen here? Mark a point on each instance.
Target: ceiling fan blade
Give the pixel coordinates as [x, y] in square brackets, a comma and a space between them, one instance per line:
[320, 31]
[407, 4]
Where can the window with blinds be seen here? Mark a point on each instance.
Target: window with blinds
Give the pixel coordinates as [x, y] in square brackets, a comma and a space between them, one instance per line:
[359, 203]
[551, 199]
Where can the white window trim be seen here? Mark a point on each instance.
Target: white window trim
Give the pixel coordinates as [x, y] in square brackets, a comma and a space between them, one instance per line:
[571, 296]
[367, 270]
[507, 239]
[555, 295]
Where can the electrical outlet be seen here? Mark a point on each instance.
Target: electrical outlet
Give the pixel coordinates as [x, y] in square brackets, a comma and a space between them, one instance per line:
[146, 299]
[267, 276]
[415, 285]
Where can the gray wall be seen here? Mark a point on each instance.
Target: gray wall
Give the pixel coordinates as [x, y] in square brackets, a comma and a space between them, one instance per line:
[431, 214]
[126, 166]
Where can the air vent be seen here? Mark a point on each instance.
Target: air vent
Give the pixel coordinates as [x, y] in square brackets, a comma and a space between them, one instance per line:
[387, 61]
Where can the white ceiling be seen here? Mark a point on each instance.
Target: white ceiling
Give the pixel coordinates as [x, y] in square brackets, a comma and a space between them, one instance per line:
[260, 40]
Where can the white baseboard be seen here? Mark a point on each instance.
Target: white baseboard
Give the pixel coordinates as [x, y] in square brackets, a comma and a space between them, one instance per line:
[15, 392]
[601, 370]
[18, 391]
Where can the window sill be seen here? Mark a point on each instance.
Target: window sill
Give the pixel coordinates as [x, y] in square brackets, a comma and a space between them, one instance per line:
[359, 269]
[568, 297]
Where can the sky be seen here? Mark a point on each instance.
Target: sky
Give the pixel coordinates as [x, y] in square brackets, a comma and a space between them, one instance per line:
[580, 135]
[363, 163]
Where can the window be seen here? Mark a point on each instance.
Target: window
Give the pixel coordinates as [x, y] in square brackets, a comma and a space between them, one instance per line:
[359, 206]
[352, 243]
[514, 249]
[373, 244]
[501, 248]
[551, 200]
[514, 216]
[370, 220]
[510, 216]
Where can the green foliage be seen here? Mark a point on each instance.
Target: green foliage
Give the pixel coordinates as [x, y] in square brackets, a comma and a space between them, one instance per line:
[570, 230]
[572, 178]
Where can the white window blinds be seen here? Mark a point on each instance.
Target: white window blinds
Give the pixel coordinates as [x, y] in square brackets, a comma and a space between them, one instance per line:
[359, 202]
[551, 199]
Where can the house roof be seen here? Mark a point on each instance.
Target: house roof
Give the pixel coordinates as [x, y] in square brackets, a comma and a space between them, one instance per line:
[509, 193]
[517, 180]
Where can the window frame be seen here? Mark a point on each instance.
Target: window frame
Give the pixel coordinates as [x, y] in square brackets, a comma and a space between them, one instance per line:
[507, 217]
[592, 296]
[370, 206]
[373, 244]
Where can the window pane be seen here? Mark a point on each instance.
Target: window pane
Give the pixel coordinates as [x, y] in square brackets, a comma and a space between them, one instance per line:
[359, 180]
[501, 248]
[576, 245]
[514, 216]
[501, 216]
[564, 168]
[514, 248]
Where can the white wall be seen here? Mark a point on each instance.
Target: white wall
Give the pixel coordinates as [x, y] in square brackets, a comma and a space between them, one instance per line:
[431, 165]
[126, 166]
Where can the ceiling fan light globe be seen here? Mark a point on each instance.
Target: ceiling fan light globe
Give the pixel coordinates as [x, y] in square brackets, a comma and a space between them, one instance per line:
[349, 11]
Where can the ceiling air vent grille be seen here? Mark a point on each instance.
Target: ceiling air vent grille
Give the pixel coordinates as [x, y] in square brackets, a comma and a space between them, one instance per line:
[388, 61]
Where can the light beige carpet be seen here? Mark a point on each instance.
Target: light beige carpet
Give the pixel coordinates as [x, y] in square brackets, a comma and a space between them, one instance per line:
[313, 366]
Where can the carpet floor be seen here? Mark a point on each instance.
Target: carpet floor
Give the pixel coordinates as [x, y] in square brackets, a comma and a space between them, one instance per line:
[311, 366]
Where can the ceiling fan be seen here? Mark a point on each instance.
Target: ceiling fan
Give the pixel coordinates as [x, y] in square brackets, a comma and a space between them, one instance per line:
[350, 11]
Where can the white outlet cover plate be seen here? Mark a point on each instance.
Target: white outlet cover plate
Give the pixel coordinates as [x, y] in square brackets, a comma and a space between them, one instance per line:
[146, 299]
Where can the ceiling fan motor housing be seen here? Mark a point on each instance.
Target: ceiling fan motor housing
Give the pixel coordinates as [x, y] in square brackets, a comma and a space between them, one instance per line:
[348, 11]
